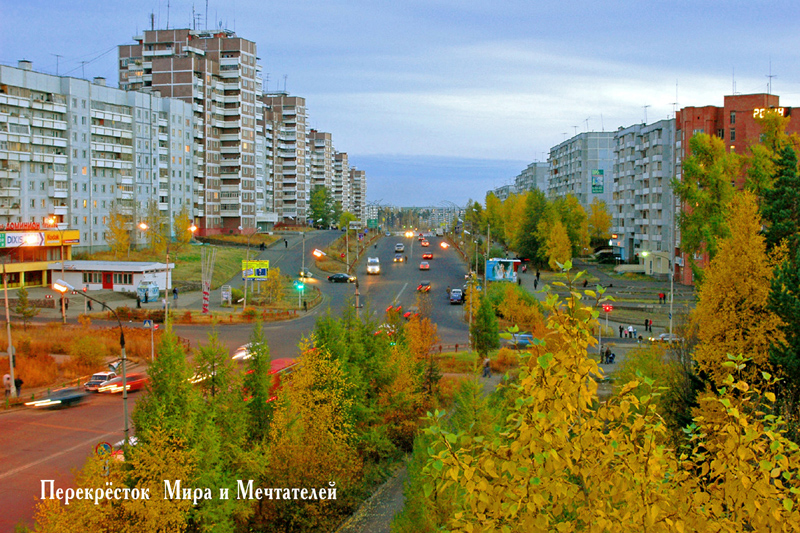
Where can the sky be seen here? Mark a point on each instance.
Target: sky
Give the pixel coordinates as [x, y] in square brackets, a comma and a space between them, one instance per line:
[440, 101]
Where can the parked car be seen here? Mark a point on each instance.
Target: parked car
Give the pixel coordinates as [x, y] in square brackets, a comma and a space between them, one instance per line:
[666, 337]
[456, 297]
[427, 255]
[59, 398]
[133, 382]
[424, 266]
[424, 286]
[341, 277]
[97, 379]
[519, 341]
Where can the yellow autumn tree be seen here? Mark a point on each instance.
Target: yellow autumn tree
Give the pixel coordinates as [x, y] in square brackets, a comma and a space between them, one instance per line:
[559, 248]
[731, 315]
[599, 222]
[118, 234]
[525, 315]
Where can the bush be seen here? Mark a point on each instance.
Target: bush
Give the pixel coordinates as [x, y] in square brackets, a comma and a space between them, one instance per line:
[88, 350]
[505, 359]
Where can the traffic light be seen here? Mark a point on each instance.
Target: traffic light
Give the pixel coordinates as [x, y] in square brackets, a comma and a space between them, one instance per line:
[608, 308]
[299, 285]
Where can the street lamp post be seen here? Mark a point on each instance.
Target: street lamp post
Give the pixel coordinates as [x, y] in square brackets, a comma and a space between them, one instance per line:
[62, 286]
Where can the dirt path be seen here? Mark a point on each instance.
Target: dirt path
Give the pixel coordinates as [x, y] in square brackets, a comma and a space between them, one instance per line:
[375, 515]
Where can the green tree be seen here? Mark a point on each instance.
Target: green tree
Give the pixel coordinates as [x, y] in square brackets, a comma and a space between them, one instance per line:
[485, 335]
[182, 223]
[781, 204]
[258, 386]
[321, 206]
[24, 308]
[346, 219]
[705, 191]
[784, 301]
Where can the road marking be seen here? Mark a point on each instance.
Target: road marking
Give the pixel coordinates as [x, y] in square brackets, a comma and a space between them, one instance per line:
[83, 444]
[83, 430]
[396, 298]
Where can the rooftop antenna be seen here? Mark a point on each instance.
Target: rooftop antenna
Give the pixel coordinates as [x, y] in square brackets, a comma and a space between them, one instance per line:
[205, 27]
[284, 82]
[152, 21]
[565, 135]
[266, 83]
[645, 113]
[770, 76]
[57, 57]
[576, 130]
[587, 123]
[83, 69]
[167, 14]
[602, 128]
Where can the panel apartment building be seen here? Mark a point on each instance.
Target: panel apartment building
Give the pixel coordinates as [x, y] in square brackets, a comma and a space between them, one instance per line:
[533, 177]
[582, 166]
[643, 205]
[218, 74]
[735, 123]
[73, 149]
[341, 181]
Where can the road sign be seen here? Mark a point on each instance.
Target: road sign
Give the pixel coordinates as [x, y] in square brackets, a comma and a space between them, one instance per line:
[148, 324]
[372, 222]
[103, 448]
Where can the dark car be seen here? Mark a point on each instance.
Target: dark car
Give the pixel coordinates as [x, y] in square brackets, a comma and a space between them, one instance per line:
[519, 341]
[424, 286]
[456, 297]
[341, 277]
[60, 398]
[398, 258]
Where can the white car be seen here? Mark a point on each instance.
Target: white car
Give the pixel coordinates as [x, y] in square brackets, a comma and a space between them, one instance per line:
[373, 265]
[666, 337]
[97, 379]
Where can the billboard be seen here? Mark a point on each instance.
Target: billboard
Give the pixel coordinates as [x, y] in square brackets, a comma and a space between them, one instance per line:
[597, 181]
[501, 270]
[255, 269]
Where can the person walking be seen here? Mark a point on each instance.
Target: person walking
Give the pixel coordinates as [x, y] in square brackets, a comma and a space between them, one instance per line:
[138, 302]
[285, 243]
[18, 384]
[7, 384]
[646, 323]
[535, 283]
[66, 306]
[537, 274]
[620, 331]
[89, 305]
[487, 367]
[630, 332]
[175, 293]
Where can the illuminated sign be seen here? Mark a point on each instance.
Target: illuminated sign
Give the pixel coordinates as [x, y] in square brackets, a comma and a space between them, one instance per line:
[20, 226]
[761, 112]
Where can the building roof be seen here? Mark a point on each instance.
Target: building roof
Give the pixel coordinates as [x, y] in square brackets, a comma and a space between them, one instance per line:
[111, 266]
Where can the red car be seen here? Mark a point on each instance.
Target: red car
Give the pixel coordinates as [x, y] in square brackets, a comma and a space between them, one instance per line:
[133, 382]
[424, 286]
[280, 369]
[424, 243]
[427, 255]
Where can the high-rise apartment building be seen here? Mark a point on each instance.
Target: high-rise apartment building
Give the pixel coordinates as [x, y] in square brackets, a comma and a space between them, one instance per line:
[341, 182]
[358, 189]
[582, 166]
[321, 159]
[292, 180]
[75, 150]
[642, 208]
[218, 74]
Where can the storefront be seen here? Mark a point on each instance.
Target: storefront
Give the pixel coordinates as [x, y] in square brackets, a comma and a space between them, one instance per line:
[27, 252]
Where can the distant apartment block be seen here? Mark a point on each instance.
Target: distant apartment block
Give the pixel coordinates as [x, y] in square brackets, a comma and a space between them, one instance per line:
[503, 192]
[535, 176]
[583, 166]
[321, 155]
[642, 207]
[358, 189]
[341, 182]
[217, 73]
[74, 149]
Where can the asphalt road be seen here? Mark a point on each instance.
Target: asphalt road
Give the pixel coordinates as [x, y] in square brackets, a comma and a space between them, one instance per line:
[36, 445]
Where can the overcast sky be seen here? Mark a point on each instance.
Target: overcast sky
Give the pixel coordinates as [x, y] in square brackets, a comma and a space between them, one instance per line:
[440, 101]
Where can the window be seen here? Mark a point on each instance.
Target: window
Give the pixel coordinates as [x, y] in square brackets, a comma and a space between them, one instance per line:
[733, 134]
[33, 203]
[123, 279]
[85, 203]
[733, 118]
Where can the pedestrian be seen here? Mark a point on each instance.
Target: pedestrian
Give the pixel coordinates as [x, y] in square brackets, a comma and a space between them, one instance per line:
[519, 281]
[175, 293]
[138, 301]
[145, 296]
[537, 274]
[620, 331]
[607, 355]
[262, 247]
[630, 332]
[305, 306]
[18, 384]
[285, 243]
[89, 305]
[66, 304]
[535, 283]
[7, 384]
[487, 368]
[635, 334]
[585, 283]
[646, 323]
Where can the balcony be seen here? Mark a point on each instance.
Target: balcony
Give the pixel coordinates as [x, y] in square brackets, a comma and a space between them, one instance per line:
[56, 192]
[61, 210]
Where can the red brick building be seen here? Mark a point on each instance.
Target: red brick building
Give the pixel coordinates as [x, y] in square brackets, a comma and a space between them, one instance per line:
[735, 123]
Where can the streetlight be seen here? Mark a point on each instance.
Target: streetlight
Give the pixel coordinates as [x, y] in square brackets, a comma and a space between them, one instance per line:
[62, 286]
[52, 221]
